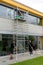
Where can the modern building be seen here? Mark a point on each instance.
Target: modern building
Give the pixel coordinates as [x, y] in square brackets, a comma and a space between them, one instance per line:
[19, 24]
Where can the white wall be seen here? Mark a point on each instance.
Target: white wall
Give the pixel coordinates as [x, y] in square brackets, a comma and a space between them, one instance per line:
[6, 26]
[21, 28]
[30, 29]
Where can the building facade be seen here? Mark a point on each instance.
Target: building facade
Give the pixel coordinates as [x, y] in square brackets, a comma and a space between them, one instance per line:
[19, 24]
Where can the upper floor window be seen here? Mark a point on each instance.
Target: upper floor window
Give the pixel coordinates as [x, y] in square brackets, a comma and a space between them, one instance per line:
[11, 13]
[6, 12]
[32, 19]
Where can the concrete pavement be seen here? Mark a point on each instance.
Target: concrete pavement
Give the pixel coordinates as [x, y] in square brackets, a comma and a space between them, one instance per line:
[4, 60]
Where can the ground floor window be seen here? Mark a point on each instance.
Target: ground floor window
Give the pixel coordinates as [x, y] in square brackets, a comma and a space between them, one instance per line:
[20, 43]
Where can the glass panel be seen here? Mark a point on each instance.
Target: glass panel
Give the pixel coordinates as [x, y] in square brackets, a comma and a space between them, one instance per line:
[10, 13]
[20, 45]
[20, 37]
[5, 43]
[35, 42]
[3, 12]
[6, 12]
[26, 43]
[32, 19]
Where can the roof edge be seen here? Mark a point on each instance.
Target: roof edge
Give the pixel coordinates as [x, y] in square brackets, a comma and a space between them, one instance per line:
[23, 7]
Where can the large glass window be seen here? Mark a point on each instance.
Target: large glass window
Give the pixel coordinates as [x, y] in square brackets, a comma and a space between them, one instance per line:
[32, 19]
[5, 42]
[6, 12]
[10, 13]
[21, 43]
[28, 18]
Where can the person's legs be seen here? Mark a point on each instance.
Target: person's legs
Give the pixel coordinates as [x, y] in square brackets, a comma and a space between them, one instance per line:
[11, 55]
[31, 52]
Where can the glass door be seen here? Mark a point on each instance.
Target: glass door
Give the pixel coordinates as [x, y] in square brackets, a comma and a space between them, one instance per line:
[20, 44]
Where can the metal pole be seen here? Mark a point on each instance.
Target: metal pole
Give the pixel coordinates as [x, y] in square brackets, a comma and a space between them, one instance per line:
[16, 37]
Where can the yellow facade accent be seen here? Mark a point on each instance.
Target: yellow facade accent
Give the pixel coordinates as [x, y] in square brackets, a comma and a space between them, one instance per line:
[41, 20]
[23, 7]
[41, 39]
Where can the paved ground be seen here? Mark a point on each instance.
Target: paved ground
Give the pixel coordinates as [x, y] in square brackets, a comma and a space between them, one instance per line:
[19, 57]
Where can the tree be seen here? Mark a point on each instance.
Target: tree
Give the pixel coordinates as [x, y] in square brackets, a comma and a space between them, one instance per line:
[31, 38]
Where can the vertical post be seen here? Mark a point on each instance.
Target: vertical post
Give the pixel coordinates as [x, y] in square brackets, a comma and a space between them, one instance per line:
[16, 49]
[16, 35]
[24, 43]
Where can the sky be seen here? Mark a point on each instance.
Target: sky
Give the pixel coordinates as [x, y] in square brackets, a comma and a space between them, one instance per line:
[35, 4]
